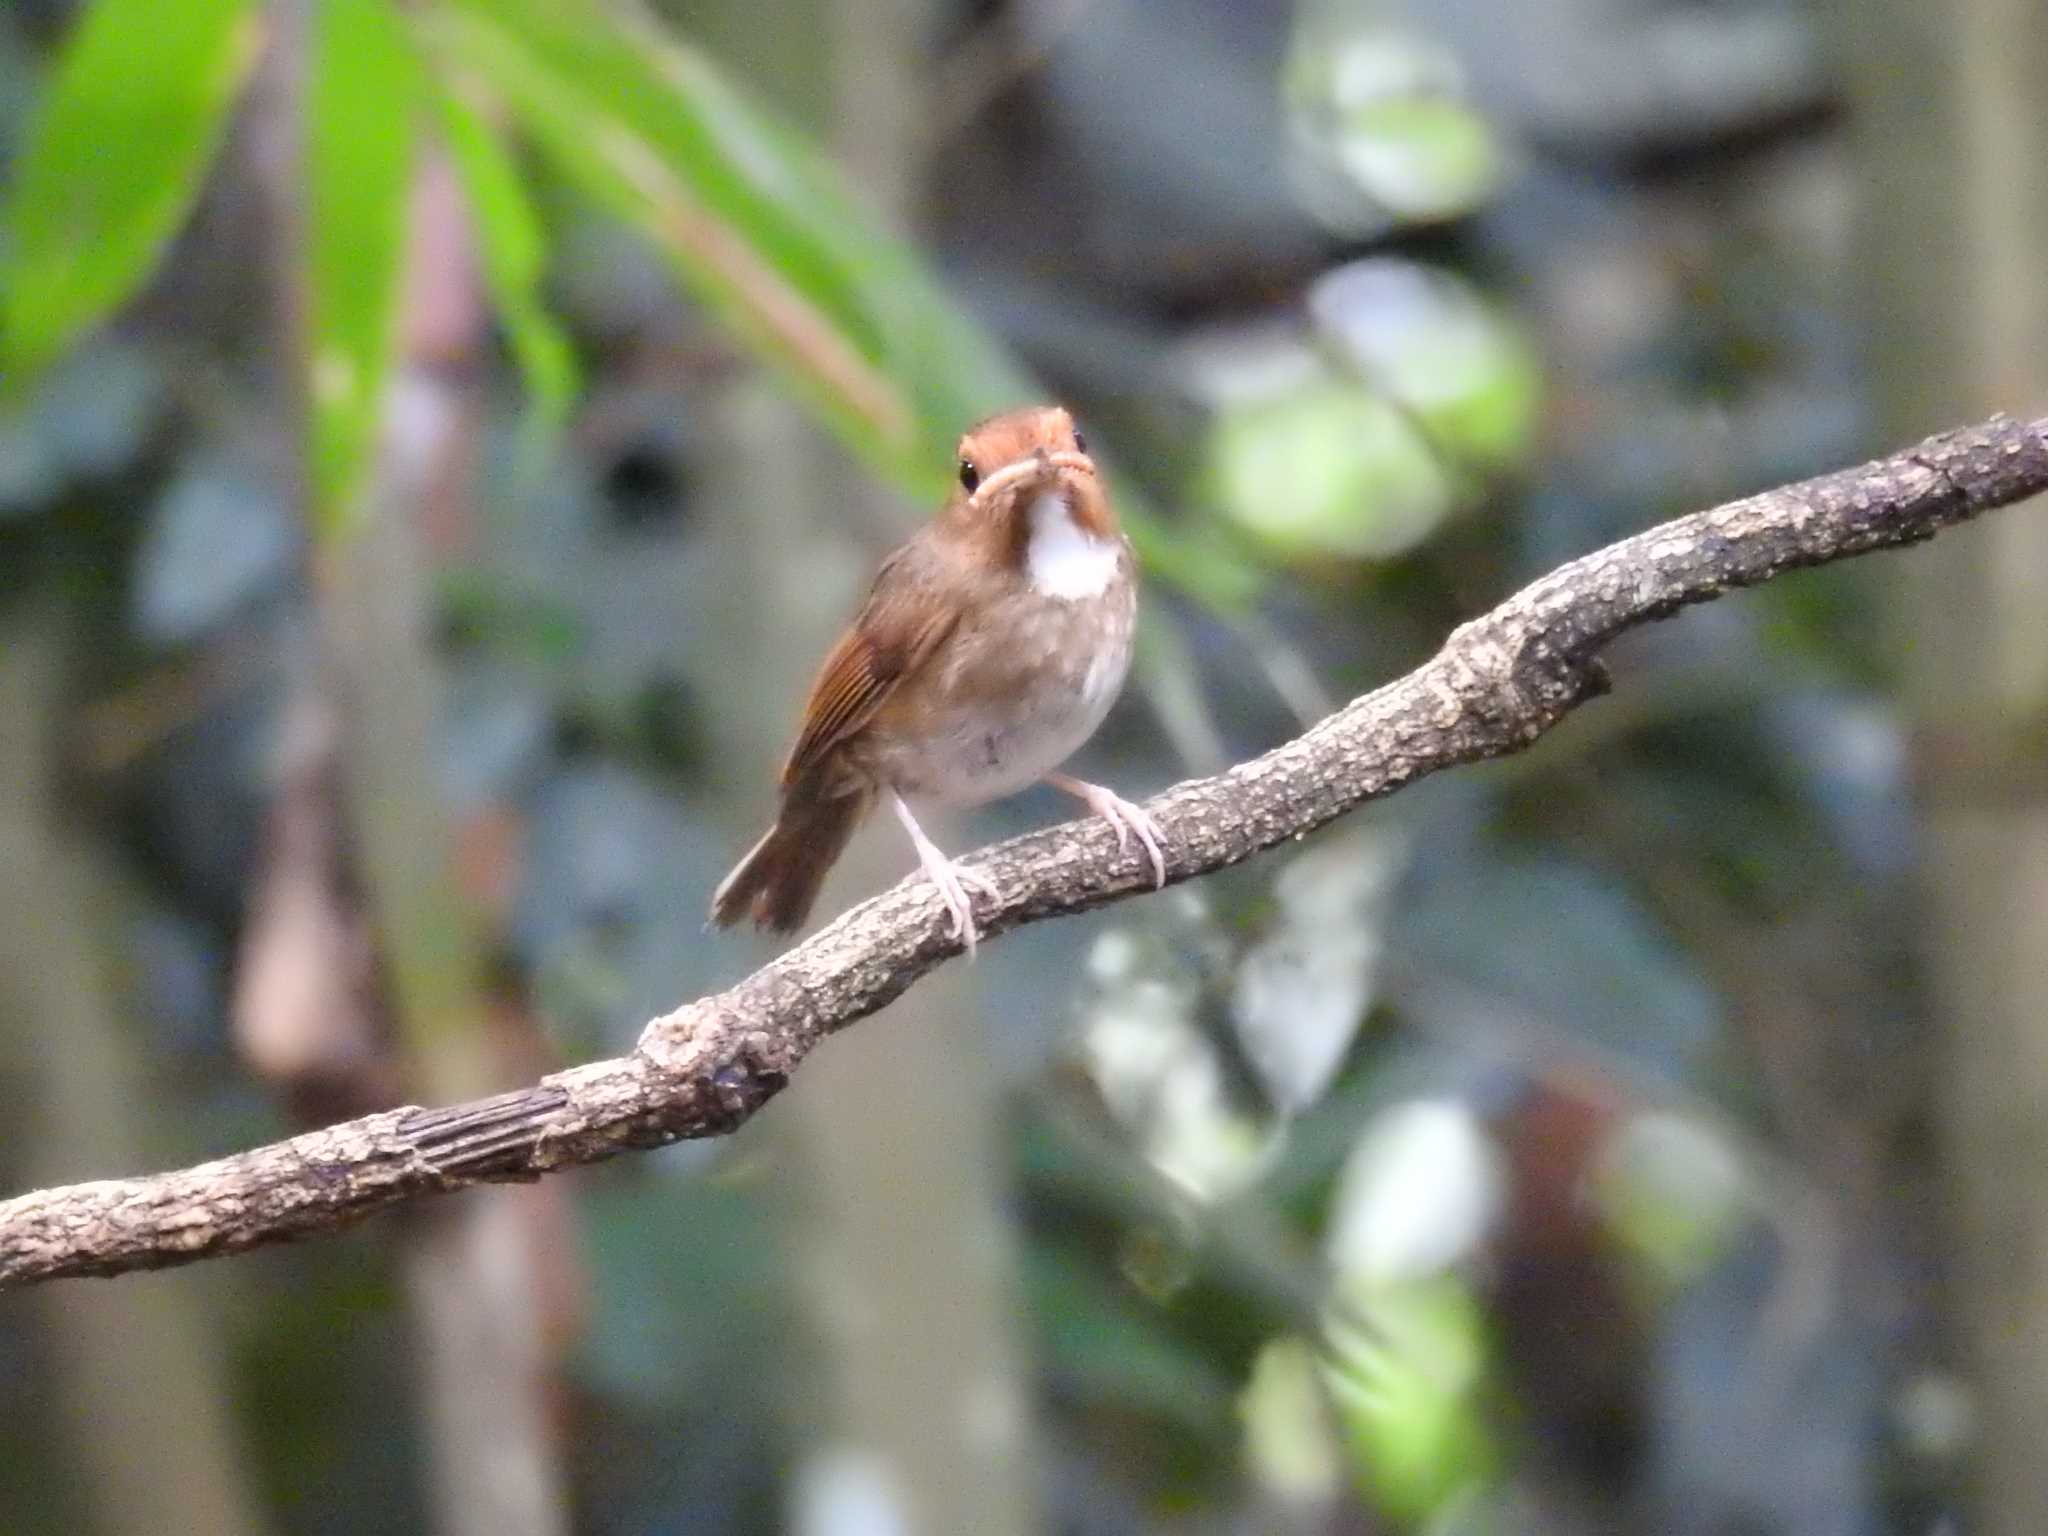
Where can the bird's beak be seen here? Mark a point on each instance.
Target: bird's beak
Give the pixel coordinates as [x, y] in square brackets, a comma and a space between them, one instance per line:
[1035, 472]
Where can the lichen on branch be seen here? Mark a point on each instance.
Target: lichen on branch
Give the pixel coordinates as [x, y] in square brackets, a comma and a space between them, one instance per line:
[1500, 682]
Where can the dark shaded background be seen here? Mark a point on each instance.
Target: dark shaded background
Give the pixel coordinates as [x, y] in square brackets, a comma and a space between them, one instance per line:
[1639, 1135]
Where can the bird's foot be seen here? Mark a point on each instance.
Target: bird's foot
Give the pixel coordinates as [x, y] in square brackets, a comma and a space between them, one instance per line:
[954, 881]
[1128, 819]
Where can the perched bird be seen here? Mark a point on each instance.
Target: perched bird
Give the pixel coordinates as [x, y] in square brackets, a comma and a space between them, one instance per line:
[990, 647]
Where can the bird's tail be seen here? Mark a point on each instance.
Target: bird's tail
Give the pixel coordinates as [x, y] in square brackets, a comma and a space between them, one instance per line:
[777, 883]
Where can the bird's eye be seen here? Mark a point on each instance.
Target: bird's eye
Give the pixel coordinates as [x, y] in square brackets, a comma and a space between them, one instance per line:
[1080, 442]
[970, 477]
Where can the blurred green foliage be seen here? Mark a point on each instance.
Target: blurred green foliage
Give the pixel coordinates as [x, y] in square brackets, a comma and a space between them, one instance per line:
[360, 136]
[1406, 1365]
[1330, 469]
[751, 218]
[513, 244]
[1408, 402]
[1381, 133]
[128, 127]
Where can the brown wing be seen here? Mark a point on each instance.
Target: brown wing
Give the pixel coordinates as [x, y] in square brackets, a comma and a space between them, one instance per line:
[900, 626]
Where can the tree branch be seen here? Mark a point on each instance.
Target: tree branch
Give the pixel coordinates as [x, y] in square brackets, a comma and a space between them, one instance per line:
[1498, 684]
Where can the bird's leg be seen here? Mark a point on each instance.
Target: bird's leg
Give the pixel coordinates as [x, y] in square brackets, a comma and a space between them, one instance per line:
[953, 880]
[1128, 819]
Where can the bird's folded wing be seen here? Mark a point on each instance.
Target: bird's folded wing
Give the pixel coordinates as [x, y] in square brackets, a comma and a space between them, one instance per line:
[902, 624]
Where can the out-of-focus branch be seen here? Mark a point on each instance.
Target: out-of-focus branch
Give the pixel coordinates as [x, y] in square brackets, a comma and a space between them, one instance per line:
[136, 1396]
[480, 1280]
[360, 925]
[1955, 320]
[1500, 682]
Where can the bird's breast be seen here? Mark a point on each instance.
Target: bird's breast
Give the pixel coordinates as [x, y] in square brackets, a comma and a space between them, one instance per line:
[1022, 684]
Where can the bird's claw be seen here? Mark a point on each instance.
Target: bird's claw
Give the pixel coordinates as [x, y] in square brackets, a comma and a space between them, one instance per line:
[1128, 819]
[954, 882]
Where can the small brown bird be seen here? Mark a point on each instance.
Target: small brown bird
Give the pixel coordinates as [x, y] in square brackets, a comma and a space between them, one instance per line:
[989, 649]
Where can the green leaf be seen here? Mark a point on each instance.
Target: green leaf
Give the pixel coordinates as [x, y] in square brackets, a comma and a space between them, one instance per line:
[134, 114]
[1428, 340]
[1404, 1366]
[1289, 1446]
[646, 128]
[361, 98]
[1380, 134]
[1328, 468]
[513, 246]
[1422, 158]
[764, 231]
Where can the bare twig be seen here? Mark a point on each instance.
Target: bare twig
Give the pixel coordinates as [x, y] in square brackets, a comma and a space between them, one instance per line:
[1498, 684]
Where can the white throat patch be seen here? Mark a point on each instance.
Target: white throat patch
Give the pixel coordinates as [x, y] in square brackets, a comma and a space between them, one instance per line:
[1062, 559]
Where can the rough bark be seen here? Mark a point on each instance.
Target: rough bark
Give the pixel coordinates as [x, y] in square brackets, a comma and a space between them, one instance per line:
[1500, 682]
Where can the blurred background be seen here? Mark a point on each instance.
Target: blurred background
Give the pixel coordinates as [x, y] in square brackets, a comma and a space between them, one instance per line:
[438, 437]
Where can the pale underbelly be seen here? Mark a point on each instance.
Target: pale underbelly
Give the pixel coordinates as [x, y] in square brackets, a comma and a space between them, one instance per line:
[972, 754]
